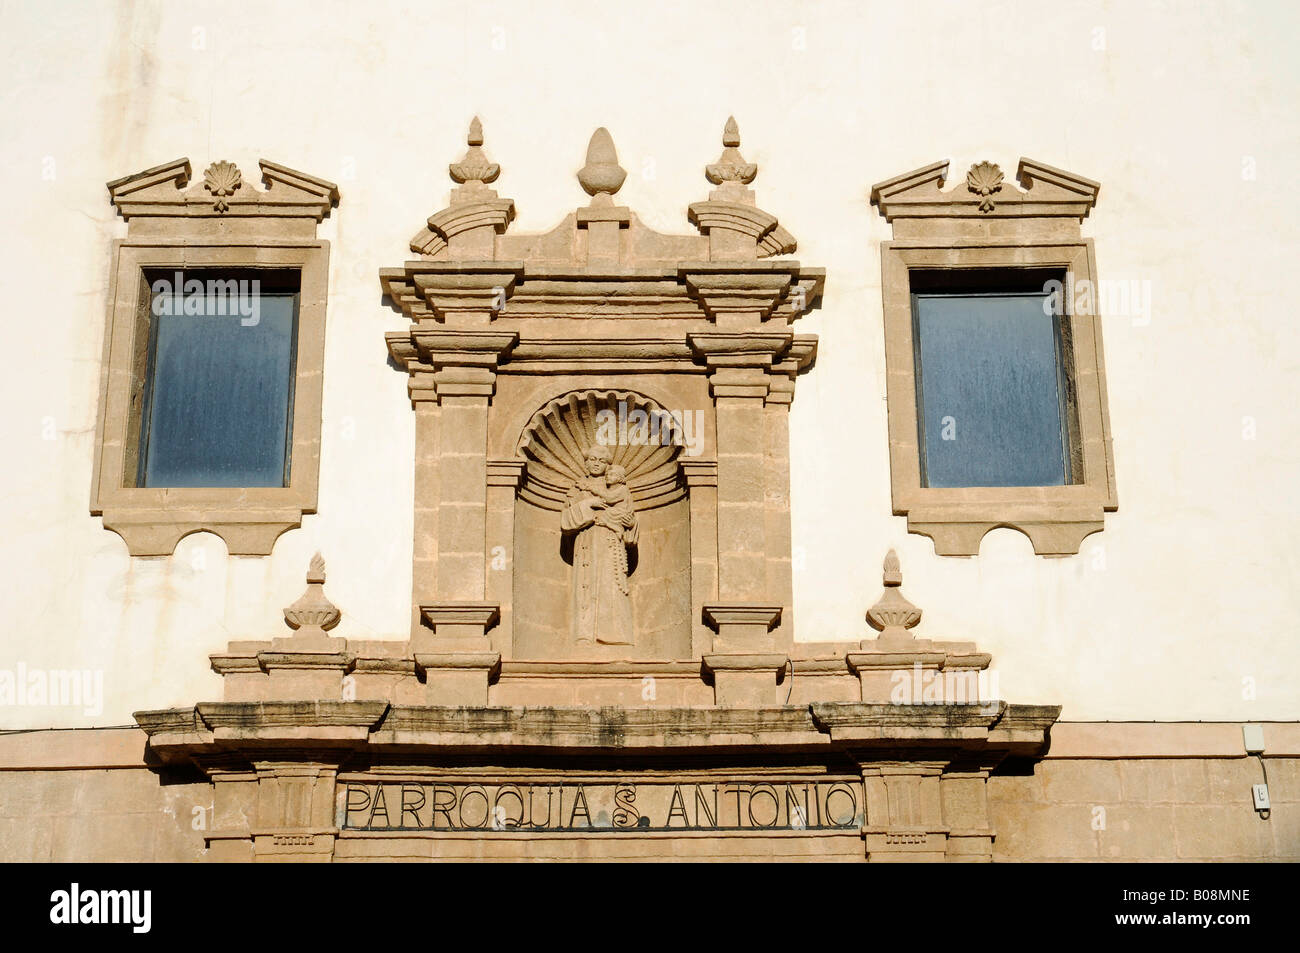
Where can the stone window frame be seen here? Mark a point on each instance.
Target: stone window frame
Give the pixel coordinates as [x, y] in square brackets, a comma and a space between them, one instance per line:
[218, 224]
[987, 225]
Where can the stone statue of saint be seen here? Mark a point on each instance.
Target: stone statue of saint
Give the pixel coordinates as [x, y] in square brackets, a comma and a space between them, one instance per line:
[598, 512]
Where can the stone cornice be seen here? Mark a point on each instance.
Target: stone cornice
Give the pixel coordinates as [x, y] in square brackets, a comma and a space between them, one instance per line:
[428, 290]
[995, 729]
[740, 349]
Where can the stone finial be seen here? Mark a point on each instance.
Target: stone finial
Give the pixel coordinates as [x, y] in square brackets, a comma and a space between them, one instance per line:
[602, 174]
[731, 165]
[893, 615]
[313, 614]
[222, 179]
[984, 179]
[475, 167]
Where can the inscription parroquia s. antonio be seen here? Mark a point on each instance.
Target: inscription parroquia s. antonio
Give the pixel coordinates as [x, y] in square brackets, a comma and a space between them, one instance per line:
[613, 806]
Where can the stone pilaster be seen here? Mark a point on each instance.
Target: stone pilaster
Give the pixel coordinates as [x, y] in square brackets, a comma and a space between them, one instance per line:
[739, 366]
[964, 790]
[503, 478]
[295, 812]
[464, 377]
[702, 480]
[904, 811]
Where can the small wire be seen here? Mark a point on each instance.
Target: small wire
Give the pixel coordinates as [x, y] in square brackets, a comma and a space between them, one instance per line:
[27, 731]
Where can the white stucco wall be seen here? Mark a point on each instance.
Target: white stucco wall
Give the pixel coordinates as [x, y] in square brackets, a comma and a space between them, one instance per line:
[1190, 589]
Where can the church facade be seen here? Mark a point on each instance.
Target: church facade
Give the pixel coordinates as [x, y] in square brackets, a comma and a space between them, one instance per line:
[837, 512]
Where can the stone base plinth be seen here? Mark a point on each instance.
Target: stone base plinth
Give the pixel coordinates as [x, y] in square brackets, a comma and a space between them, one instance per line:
[745, 681]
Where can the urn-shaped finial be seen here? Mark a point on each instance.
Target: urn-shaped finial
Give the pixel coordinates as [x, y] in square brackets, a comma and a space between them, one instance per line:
[602, 173]
[893, 615]
[475, 167]
[731, 165]
[313, 614]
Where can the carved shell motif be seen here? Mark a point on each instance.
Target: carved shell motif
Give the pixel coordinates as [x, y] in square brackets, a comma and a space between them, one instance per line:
[984, 179]
[222, 179]
[644, 439]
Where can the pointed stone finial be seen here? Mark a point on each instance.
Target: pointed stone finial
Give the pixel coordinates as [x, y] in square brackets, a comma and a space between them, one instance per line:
[731, 133]
[313, 614]
[475, 167]
[731, 165]
[893, 615]
[602, 174]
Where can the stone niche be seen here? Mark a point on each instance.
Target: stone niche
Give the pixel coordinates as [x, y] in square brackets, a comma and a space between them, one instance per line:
[602, 446]
[659, 564]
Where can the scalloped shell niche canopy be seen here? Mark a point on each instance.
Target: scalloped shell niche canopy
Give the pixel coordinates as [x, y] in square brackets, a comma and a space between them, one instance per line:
[557, 438]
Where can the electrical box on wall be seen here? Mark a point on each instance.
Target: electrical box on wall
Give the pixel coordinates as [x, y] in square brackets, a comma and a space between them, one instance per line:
[1253, 738]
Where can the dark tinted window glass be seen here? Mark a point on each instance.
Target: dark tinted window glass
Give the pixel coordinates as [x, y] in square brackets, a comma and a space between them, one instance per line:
[991, 389]
[219, 393]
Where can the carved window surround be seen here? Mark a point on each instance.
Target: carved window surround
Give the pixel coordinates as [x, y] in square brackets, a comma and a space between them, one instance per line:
[984, 223]
[221, 222]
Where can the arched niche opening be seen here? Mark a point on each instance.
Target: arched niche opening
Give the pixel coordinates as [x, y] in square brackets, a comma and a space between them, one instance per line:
[568, 602]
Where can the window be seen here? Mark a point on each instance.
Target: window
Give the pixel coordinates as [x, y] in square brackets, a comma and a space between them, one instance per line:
[994, 392]
[996, 386]
[216, 386]
[210, 395]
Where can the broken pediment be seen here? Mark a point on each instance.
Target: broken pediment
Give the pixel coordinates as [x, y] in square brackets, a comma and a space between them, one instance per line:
[1042, 191]
[166, 191]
